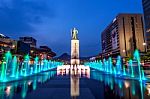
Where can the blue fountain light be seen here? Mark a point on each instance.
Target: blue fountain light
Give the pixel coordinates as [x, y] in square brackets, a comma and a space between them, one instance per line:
[12, 69]
[133, 71]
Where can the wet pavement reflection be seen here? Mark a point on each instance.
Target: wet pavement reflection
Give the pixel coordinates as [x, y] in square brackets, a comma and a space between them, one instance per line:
[20, 89]
[86, 85]
[120, 88]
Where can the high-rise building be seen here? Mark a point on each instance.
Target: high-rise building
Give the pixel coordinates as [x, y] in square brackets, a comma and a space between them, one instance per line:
[146, 8]
[29, 40]
[124, 35]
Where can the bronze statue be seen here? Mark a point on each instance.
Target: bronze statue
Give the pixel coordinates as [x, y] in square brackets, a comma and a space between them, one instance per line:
[74, 33]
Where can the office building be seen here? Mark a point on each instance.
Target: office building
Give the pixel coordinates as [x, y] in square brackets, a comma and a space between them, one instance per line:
[124, 35]
[146, 8]
[29, 40]
[7, 44]
[23, 48]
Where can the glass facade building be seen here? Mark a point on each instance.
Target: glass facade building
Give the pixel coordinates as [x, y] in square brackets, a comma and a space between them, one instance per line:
[146, 8]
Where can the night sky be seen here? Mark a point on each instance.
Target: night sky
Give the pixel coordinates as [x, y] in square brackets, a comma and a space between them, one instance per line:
[50, 21]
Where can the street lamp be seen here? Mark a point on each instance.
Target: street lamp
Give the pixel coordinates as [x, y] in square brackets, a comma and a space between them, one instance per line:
[124, 51]
[144, 44]
[13, 46]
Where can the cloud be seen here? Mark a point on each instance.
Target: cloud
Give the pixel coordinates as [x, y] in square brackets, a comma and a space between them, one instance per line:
[19, 16]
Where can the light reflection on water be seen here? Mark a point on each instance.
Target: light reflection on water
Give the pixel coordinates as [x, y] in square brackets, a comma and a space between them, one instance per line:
[76, 72]
[21, 88]
[117, 88]
[126, 89]
[74, 86]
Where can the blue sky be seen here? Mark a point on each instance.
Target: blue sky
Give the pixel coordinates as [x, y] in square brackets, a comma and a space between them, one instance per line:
[50, 21]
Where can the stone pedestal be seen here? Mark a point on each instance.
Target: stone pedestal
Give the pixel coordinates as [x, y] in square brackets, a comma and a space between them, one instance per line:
[75, 52]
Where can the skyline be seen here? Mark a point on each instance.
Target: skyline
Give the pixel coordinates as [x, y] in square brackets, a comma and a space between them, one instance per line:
[31, 18]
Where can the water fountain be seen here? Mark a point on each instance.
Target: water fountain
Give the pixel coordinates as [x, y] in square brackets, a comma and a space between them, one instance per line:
[36, 64]
[5, 64]
[3, 71]
[140, 71]
[124, 70]
[119, 65]
[12, 69]
[123, 87]
[14, 66]
[110, 65]
[133, 70]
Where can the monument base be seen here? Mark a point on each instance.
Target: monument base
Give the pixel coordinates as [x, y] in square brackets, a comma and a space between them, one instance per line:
[75, 52]
[75, 62]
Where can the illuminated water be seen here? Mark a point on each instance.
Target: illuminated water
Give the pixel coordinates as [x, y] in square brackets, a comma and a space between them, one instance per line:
[40, 80]
[20, 89]
[133, 70]
[12, 68]
[48, 85]
[120, 88]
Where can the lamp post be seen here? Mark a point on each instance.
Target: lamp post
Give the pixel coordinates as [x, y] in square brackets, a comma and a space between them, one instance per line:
[144, 44]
